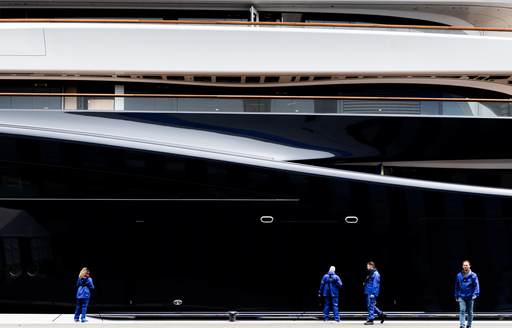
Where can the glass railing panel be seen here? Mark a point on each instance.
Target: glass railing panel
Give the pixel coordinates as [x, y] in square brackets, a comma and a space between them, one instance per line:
[98, 103]
[6, 102]
[30, 102]
[451, 108]
[326, 106]
[209, 105]
[257, 105]
[493, 109]
[479, 109]
[150, 104]
[292, 106]
[430, 107]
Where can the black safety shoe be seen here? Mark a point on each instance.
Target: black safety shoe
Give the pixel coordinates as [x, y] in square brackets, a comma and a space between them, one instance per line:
[382, 317]
[368, 323]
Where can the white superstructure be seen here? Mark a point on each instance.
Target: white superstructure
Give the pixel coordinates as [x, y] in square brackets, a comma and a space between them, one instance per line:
[259, 44]
[152, 49]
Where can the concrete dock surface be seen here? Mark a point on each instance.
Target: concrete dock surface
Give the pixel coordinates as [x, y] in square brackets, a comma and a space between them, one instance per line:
[66, 320]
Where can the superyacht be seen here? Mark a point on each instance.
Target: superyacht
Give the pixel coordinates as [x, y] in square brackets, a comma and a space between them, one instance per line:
[210, 156]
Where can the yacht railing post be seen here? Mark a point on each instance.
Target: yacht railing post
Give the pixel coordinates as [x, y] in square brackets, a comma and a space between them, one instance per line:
[119, 101]
[255, 16]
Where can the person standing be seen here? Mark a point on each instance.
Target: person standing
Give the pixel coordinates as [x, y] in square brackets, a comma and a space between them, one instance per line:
[84, 285]
[371, 290]
[467, 289]
[330, 290]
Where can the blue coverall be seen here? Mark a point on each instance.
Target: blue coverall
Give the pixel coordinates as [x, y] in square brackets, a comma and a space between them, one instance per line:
[83, 294]
[371, 290]
[330, 290]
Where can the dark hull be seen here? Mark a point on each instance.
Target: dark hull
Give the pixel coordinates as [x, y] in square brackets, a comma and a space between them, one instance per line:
[157, 227]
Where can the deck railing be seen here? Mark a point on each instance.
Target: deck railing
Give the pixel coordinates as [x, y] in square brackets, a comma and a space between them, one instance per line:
[290, 104]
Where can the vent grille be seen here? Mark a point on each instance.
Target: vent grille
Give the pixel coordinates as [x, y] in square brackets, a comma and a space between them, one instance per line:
[389, 107]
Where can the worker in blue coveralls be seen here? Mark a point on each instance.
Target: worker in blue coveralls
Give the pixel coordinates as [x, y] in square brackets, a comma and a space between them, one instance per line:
[467, 289]
[83, 294]
[371, 290]
[330, 291]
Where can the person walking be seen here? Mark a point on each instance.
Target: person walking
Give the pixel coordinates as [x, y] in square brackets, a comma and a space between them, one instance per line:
[84, 285]
[330, 290]
[371, 290]
[467, 289]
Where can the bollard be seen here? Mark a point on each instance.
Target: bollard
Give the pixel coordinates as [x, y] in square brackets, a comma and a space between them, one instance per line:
[232, 316]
